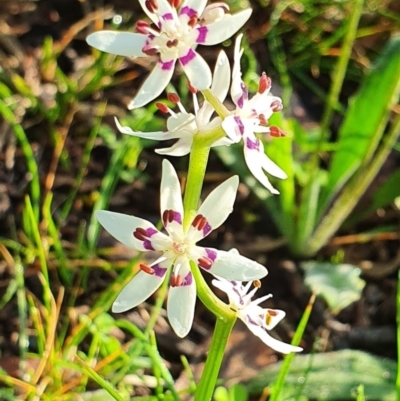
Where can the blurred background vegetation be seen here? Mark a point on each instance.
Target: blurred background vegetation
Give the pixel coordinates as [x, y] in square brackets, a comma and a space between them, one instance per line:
[333, 231]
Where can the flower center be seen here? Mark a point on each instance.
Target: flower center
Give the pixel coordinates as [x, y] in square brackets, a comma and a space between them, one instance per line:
[179, 248]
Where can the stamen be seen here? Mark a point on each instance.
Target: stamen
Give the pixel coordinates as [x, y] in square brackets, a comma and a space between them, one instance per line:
[192, 89]
[172, 43]
[205, 262]
[175, 281]
[262, 119]
[142, 27]
[264, 84]
[168, 216]
[199, 222]
[173, 97]
[162, 107]
[257, 283]
[146, 269]
[270, 314]
[193, 21]
[175, 3]
[151, 5]
[276, 105]
[149, 50]
[276, 132]
[140, 234]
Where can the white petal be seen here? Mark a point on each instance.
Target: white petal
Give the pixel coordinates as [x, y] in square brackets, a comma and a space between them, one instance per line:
[122, 227]
[269, 166]
[157, 135]
[232, 290]
[196, 69]
[236, 267]
[154, 85]
[237, 83]
[163, 8]
[179, 121]
[137, 291]
[219, 86]
[196, 5]
[227, 27]
[222, 142]
[180, 307]
[270, 341]
[171, 198]
[231, 129]
[180, 148]
[219, 203]
[254, 161]
[127, 44]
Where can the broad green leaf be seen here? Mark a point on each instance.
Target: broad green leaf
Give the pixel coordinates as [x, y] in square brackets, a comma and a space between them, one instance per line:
[365, 119]
[338, 284]
[333, 376]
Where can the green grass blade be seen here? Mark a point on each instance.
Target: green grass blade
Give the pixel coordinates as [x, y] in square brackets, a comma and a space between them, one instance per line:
[366, 120]
[8, 115]
[280, 381]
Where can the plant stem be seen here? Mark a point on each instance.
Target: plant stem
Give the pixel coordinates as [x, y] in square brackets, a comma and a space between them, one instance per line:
[225, 316]
[209, 377]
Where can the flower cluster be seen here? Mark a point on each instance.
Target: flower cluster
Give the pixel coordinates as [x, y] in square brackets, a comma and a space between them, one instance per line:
[172, 35]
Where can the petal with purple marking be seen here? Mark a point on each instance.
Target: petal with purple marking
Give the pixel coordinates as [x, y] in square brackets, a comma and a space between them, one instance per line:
[217, 206]
[171, 200]
[253, 160]
[227, 27]
[154, 84]
[163, 7]
[126, 44]
[233, 128]
[197, 6]
[141, 287]
[132, 231]
[181, 303]
[196, 69]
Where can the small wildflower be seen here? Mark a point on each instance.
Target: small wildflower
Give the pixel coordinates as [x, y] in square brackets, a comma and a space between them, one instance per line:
[178, 248]
[250, 117]
[257, 319]
[183, 125]
[177, 32]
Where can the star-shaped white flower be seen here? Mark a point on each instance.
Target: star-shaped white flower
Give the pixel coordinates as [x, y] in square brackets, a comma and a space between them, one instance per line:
[257, 319]
[177, 32]
[178, 248]
[183, 125]
[250, 117]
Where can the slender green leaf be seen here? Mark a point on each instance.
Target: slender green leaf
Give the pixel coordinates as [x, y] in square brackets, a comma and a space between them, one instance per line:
[365, 120]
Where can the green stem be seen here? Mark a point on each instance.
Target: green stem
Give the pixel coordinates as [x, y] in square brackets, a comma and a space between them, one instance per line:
[209, 377]
[196, 172]
[221, 110]
[225, 316]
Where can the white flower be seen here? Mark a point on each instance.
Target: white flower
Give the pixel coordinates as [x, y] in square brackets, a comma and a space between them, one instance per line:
[178, 249]
[176, 34]
[251, 116]
[183, 125]
[257, 319]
